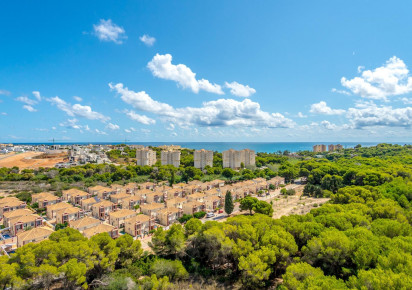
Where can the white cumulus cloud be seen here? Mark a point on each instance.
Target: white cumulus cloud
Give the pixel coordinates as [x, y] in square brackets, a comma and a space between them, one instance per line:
[37, 95]
[143, 119]
[106, 30]
[112, 126]
[29, 108]
[78, 99]
[78, 110]
[161, 66]
[222, 112]
[391, 79]
[240, 90]
[147, 39]
[323, 109]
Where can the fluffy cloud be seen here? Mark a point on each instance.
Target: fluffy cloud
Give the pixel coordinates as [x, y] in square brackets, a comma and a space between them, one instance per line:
[106, 30]
[161, 66]
[100, 132]
[240, 90]
[328, 125]
[112, 126]
[78, 110]
[322, 108]
[143, 119]
[342, 92]
[78, 99]
[37, 95]
[300, 115]
[127, 131]
[391, 79]
[372, 115]
[222, 112]
[147, 39]
[29, 108]
[407, 101]
[26, 100]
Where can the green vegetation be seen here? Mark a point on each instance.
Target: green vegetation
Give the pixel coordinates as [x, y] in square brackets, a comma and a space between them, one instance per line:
[229, 203]
[361, 239]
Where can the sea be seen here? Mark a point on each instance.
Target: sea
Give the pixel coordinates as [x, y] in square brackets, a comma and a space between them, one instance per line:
[268, 147]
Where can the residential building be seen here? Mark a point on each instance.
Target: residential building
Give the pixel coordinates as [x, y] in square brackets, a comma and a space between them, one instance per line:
[154, 197]
[101, 228]
[336, 147]
[68, 214]
[169, 215]
[193, 207]
[51, 210]
[131, 188]
[23, 223]
[9, 204]
[102, 192]
[203, 158]
[196, 197]
[139, 225]
[102, 209]
[44, 199]
[151, 209]
[212, 203]
[118, 217]
[145, 157]
[170, 157]
[177, 202]
[130, 202]
[116, 198]
[234, 158]
[15, 214]
[34, 235]
[86, 204]
[319, 148]
[75, 196]
[84, 223]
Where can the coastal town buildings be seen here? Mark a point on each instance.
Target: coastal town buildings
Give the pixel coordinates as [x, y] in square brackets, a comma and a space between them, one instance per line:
[170, 157]
[235, 158]
[145, 157]
[203, 158]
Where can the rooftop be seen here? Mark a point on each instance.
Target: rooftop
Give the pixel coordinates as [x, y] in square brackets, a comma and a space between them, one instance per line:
[34, 233]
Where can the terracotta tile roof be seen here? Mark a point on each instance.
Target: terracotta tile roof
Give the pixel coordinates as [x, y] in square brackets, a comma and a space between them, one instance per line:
[75, 191]
[24, 219]
[101, 228]
[121, 213]
[34, 233]
[80, 223]
[17, 213]
[139, 218]
[59, 205]
[153, 205]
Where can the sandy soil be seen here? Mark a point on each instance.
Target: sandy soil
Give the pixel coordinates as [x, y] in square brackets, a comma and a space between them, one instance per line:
[28, 160]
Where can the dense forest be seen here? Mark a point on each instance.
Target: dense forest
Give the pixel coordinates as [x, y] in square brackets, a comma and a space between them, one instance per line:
[360, 239]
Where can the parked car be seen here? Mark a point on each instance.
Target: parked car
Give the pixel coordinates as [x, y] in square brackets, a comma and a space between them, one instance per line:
[210, 214]
[220, 210]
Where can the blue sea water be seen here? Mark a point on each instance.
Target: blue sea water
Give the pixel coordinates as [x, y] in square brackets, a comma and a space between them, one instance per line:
[268, 147]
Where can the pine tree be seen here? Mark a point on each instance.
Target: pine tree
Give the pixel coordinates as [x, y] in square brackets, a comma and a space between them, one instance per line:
[228, 203]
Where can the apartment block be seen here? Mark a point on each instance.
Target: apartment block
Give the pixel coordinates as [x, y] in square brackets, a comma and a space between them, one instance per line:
[145, 157]
[170, 157]
[139, 225]
[319, 148]
[203, 158]
[336, 147]
[234, 158]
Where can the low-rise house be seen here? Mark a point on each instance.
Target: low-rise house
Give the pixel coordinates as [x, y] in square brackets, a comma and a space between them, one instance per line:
[9, 204]
[23, 223]
[86, 204]
[101, 228]
[139, 225]
[175, 192]
[190, 189]
[15, 214]
[169, 215]
[102, 209]
[213, 192]
[44, 199]
[177, 202]
[212, 202]
[179, 185]
[147, 185]
[193, 207]
[116, 198]
[117, 218]
[196, 197]
[154, 197]
[130, 202]
[75, 196]
[84, 223]
[68, 214]
[51, 210]
[101, 191]
[117, 188]
[151, 209]
[217, 183]
[34, 235]
[131, 188]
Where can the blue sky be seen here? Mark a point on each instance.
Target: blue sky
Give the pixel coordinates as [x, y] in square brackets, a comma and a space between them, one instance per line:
[205, 71]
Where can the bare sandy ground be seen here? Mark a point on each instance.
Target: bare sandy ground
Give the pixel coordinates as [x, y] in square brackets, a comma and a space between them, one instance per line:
[27, 160]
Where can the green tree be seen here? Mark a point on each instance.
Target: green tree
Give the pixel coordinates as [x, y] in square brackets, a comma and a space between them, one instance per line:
[248, 203]
[229, 203]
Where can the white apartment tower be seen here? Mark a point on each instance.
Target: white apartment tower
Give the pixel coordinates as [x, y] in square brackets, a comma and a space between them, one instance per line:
[171, 157]
[203, 158]
[145, 156]
[233, 158]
